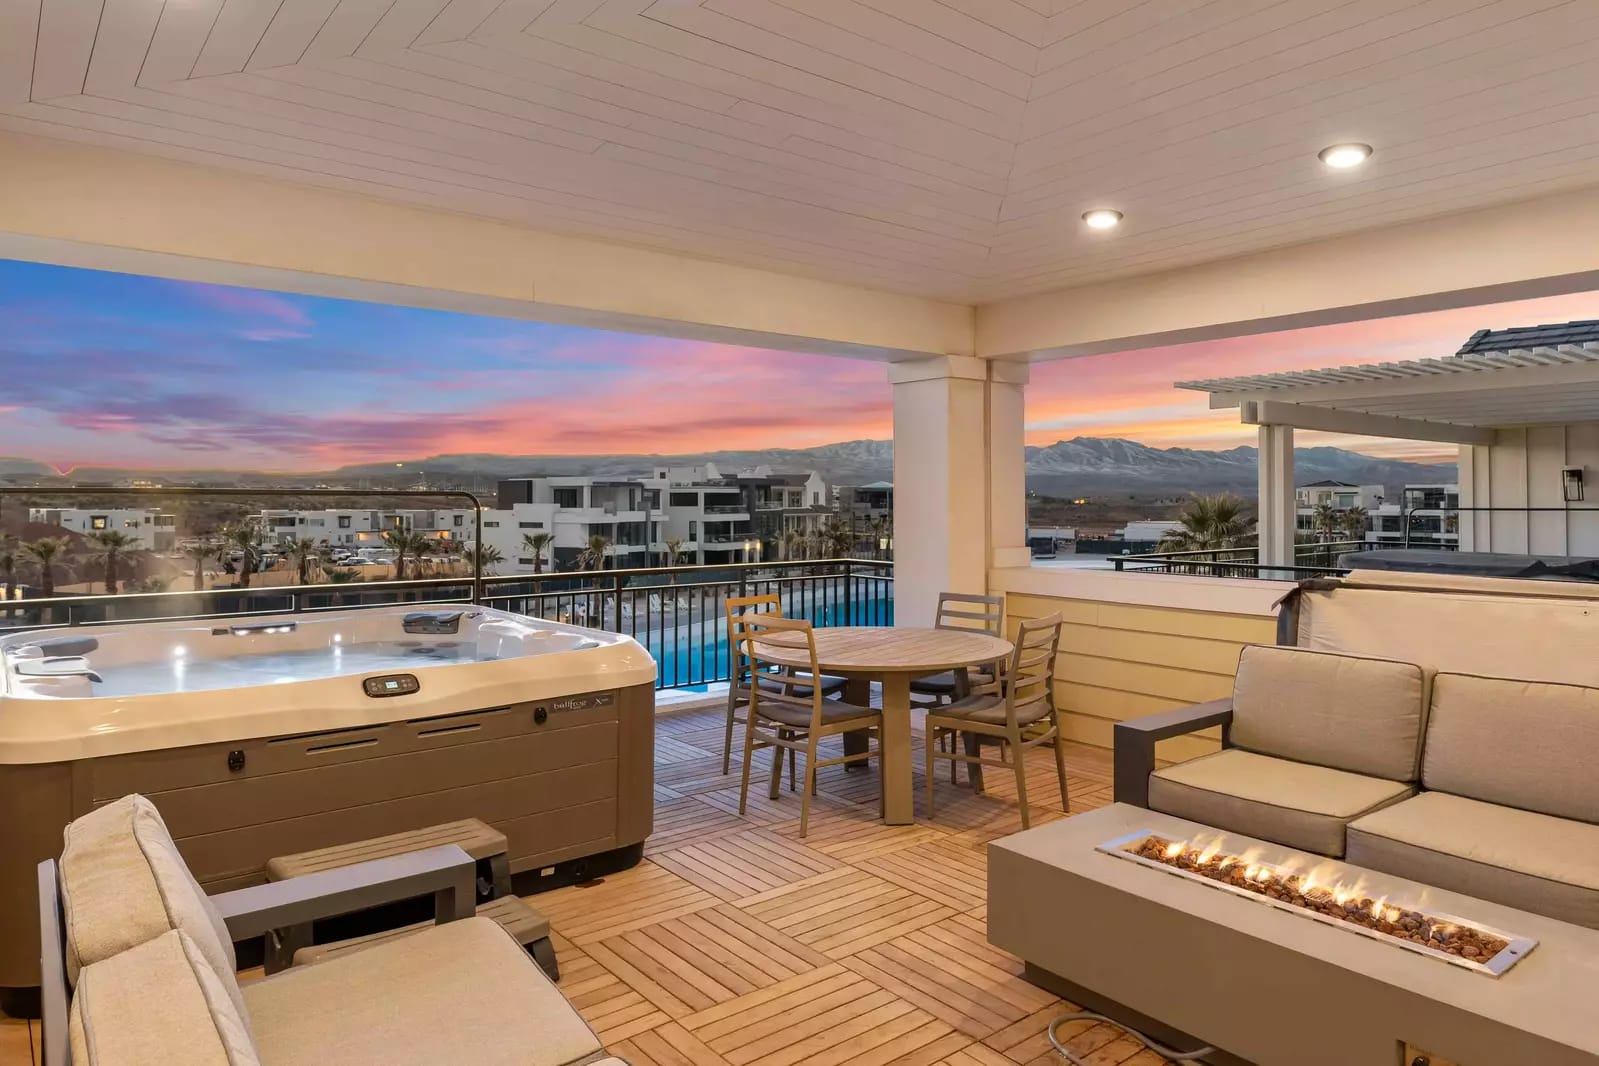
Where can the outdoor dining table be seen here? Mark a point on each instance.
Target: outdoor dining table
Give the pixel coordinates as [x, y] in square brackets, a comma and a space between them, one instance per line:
[894, 657]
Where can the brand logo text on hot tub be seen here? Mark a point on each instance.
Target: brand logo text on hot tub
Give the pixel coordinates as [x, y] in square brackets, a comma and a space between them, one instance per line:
[584, 703]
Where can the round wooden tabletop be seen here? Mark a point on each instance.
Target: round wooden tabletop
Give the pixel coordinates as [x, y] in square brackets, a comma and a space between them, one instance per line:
[886, 649]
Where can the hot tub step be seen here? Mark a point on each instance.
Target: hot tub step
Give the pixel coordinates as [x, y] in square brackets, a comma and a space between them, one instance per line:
[514, 914]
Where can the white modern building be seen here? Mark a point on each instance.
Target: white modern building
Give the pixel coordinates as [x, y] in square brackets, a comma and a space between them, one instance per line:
[151, 529]
[1341, 496]
[361, 527]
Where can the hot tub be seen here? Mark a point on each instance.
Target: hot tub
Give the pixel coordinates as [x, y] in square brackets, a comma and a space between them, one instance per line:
[265, 736]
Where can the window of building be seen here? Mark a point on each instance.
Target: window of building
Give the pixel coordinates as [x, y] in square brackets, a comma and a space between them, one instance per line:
[99, 521]
[693, 530]
[569, 497]
[344, 521]
[524, 560]
[491, 525]
[683, 499]
[460, 519]
[530, 525]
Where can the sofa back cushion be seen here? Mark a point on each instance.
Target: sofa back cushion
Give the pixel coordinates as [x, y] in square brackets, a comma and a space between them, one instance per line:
[1527, 744]
[124, 883]
[159, 1002]
[1349, 713]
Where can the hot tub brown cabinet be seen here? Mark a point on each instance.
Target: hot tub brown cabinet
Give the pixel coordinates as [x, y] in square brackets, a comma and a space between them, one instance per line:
[568, 780]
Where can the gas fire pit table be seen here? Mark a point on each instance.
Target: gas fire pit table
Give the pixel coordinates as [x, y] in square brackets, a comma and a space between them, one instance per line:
[1196, 936]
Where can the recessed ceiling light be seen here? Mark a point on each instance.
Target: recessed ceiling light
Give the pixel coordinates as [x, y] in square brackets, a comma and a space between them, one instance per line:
[1344, 156]
[1102, 218]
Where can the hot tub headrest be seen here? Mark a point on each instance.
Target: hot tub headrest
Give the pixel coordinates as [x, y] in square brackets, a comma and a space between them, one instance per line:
[66, 647]
[432, 622]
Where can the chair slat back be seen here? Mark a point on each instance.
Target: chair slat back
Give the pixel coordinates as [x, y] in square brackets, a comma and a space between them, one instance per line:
[1030, 679]
[757, 626]
[738, 608]
[969, 611]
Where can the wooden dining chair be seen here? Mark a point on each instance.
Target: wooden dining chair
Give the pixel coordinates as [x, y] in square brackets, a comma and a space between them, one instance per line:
[740, 677]
[1022, 697]
[965, 611]
[786, 721]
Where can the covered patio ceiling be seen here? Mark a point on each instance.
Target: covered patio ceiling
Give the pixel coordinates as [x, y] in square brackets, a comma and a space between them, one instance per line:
[1457, 399]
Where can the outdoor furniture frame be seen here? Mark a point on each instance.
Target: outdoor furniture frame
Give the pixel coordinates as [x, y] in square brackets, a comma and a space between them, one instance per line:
[741, 678]
[1020, 695]
[797, 723]
[1135, 739]
[446, 873]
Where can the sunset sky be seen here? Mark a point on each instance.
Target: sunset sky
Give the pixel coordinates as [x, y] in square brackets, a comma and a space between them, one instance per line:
[111, 369]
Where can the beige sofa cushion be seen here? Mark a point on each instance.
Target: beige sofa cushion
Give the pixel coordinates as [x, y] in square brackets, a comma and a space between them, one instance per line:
[123, 883]
[1292, 803]
[159, 1002]
[1350, 713]
[1535, 862]
[384, 1006]
[1525, 744]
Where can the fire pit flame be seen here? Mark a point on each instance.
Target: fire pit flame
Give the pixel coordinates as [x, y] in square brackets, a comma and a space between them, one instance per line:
[1323, 895]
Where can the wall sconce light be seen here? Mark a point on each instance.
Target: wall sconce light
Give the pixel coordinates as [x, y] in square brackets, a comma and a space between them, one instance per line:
[1571, 482]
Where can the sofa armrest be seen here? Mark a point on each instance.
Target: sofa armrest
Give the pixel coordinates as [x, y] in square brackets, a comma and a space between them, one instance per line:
[1135, 743]
[446, 873]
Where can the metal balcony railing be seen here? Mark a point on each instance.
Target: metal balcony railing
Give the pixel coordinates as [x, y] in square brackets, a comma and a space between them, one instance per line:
[675, 612]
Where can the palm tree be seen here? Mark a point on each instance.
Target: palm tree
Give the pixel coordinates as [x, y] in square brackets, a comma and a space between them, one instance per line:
[599, 547]
[405, 543]
[200, 551]
[1209, 522]
[1325, 520]
[793, 540]
[109, 545]
[44, 554]
[304, 553]
[339, 576]
[485, 558]
[246, 539]
[536, 544]
[1354, 522]
[838, 538]
[9, 557]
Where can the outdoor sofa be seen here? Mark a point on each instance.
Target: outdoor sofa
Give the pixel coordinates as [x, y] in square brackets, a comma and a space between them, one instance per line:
[1475, 784]
[139, 967]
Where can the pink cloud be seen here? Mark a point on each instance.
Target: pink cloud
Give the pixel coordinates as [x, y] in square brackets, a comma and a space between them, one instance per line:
[250, 302]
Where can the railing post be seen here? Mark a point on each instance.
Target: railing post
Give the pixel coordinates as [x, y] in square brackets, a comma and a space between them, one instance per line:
[849, 595]
[616, 581]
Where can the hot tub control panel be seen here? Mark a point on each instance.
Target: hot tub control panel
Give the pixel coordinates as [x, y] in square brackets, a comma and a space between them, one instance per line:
[391, 685]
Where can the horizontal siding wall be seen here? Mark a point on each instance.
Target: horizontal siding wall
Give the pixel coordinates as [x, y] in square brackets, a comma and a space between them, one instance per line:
[1121, 661]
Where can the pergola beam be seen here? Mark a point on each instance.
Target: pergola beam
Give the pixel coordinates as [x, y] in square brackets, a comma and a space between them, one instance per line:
[1356, 423]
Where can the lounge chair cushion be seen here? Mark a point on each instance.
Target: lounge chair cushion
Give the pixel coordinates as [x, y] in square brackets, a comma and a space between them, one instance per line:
[1535, 862]
[123, 883]
[159, 1002]
[388, 1005]
[830, 685]
[1520, 743]
[1342, 711]
[1293, 803]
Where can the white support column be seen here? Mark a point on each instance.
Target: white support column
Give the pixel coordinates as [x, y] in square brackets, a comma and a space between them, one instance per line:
[941, 482]
[1276, 496]
[1007, 465]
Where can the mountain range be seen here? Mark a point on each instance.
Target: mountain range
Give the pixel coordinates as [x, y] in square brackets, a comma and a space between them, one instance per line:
[1080, 466]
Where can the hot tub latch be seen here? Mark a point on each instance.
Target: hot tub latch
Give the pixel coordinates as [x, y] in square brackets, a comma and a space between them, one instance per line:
[235, 760]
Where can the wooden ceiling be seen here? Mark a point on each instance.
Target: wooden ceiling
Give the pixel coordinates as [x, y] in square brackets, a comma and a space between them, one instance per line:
[941, 147]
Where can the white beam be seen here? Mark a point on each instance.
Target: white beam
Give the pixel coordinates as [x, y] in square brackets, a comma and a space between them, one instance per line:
[1330, 420]
[1275, 495]
[1541, 247]
[81, 205]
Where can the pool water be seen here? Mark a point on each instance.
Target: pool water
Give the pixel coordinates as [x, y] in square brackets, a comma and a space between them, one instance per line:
[181, 674]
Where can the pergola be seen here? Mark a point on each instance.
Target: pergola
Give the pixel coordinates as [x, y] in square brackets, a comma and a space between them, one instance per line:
[1539, 376]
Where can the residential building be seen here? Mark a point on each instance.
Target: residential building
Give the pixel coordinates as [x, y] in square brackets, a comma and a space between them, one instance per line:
[361, 527]
[874, 500]
[575, 510]
[1341, 496]
[784, 506]
[1431, 513]
[151, 529]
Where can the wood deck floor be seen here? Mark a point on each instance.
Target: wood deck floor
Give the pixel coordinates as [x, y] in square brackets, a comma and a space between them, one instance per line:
[735, 944]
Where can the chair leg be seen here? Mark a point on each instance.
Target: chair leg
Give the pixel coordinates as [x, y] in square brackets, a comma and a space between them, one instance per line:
[749, 750]
[727, 741]
[928, 775]
[792, 759]
[1015, 742]
[954, 764]
[1060, 770]
[810, 785]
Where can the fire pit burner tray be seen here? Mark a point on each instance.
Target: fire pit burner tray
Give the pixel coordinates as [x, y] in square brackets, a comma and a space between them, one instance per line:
[1516, 947]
